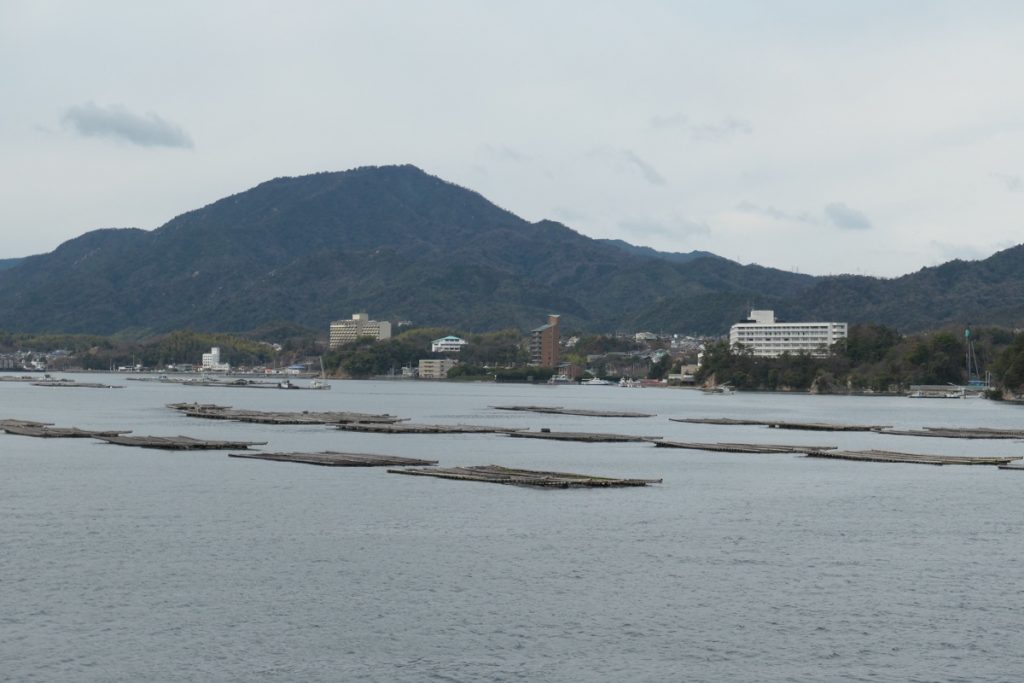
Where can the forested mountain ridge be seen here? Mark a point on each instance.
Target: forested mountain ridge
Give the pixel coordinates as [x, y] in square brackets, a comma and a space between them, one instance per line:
[401, 244]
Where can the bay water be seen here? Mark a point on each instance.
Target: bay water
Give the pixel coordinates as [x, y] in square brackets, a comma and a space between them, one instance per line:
[128, 564]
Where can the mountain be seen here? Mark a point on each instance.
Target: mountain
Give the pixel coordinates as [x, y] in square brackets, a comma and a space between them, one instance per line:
[401, 244]
[673, 256]
[9, 262]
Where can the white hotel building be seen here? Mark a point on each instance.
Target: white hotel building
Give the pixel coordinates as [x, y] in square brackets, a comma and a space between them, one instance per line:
[347, 331]
[763, 336]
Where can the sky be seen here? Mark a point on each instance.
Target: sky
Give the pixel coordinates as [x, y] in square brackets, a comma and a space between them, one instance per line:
[822, 137]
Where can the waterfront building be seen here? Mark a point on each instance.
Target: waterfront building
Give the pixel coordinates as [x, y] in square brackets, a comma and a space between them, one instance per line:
[347, 331]
[447, 344]
[435, 368]
[762, 335]
[544, 344]
[211, 361]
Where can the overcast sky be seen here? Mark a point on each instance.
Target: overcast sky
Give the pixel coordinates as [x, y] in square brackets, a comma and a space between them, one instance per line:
[825, 137]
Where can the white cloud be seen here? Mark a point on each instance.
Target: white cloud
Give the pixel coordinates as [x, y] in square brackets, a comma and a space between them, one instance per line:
[752, 116]
[722, 130]
[628, 161]
[148, 130]
[1011, 182]
[846, 218]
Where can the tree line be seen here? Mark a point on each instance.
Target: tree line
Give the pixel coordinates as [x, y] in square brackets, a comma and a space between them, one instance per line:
[874, 358]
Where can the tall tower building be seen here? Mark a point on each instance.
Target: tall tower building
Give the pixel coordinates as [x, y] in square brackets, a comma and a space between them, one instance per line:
[544, 344]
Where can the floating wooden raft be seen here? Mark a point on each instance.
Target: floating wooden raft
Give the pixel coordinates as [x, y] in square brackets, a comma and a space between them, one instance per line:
[46, 431]
[72, 383]
[742, 447]
[717, 421]
[558, 410]
[496, 474]
[336, 459]
[960, 432]
[23, 423]
[583, 436]
[178, 443]
[214, 412]
[916, 458]
[409, 428]
[782, 424]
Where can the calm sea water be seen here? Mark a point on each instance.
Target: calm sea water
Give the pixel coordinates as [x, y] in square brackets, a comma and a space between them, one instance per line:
[124, 564]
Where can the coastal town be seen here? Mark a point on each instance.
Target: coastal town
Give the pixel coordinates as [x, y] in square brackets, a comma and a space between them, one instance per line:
[558, 358]
[759, 351]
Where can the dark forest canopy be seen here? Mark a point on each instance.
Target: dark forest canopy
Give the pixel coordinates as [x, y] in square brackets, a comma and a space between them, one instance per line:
[404, 245]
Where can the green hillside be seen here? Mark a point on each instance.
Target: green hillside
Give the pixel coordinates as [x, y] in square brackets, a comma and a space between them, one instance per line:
[404, 245]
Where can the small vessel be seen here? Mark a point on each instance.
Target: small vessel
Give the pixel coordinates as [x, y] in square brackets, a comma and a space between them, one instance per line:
[719, 389]
[630, 383]
[560, 379]
[596, 382]
[921, 393]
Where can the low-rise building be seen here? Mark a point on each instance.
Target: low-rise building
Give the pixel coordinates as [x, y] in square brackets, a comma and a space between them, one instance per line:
[449, 344]
[435, 368]
[762, 335]
[347, 331]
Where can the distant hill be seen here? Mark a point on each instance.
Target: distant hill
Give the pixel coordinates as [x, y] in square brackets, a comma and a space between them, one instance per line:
[401, 244]
[9, 262]
[673, 256]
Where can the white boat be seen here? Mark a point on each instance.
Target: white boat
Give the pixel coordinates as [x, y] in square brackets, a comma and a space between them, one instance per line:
[719, 389]
[595, 382]
[561, 379]
[630, 383]
[938, 394]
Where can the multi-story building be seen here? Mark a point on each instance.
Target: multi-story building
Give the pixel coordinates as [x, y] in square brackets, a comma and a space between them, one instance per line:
[347, 331]
[435, 368]
[544, 344]
[447, 344]
[211, 361]
[762, 335]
